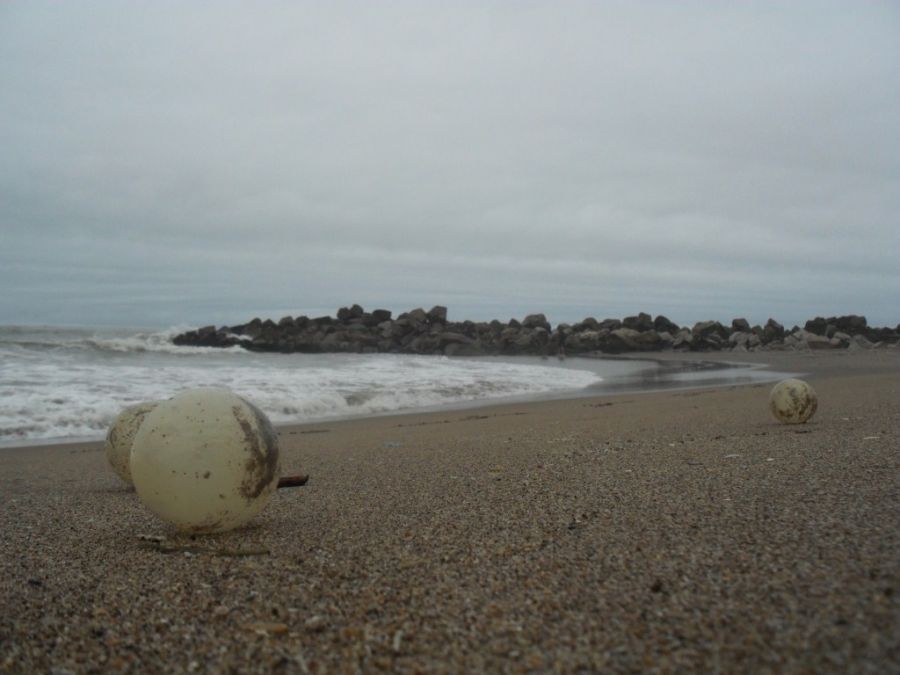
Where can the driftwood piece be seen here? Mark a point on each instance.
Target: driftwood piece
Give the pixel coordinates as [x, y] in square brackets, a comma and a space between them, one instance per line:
[293, 481]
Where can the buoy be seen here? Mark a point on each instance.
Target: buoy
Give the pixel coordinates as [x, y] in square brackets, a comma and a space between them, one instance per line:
[793, 401]
[121, 435]
[205, 460]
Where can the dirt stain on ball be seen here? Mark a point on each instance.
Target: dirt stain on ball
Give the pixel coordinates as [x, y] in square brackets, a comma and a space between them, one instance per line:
[262, 444]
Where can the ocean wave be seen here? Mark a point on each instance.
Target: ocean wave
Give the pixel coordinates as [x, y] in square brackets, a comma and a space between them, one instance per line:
[155, 342]
[111, 341]
[70, 394]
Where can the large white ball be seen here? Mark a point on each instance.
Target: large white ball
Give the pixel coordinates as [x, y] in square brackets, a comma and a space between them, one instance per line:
[121, 435]
[793, 401]
[205, 460]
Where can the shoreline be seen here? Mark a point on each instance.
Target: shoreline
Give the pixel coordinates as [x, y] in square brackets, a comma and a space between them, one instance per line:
[772, 365]
[671, 374]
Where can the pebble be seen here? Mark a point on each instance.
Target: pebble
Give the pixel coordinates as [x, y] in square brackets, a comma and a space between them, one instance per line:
[315, 624]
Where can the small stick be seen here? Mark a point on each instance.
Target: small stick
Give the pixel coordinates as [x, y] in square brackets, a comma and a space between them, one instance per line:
[293, 481]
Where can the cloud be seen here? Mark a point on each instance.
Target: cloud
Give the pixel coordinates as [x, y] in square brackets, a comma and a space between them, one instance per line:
[690, 160]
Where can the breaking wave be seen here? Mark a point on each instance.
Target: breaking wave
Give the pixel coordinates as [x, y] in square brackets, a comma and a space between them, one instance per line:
[68, 383]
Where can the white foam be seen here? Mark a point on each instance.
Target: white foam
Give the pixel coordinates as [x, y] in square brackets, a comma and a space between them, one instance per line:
[57, 384]
[119, 341]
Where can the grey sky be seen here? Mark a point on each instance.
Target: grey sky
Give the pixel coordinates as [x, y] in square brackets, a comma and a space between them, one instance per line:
[181, 163]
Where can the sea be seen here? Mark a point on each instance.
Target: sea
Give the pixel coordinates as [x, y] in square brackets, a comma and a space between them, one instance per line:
[60, 384]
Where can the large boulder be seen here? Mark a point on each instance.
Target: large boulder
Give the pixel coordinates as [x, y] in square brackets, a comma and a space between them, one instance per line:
[683, 339]
[817, 326]
[584, 341]
[740, 338]
[810, 340]
[251, 329]
[347, 313]
[642, 322]
[425, 344]
[852, 324]
[336, 342]
[772, 331]
[610, 324]
[417, 315]
[843, 338]
[663, 325]
[531, 341]
[740, 325]
[381, 315]
[623, 340]
[860, 342]
[437, 314]
[207, 336]
[648, 340]
[704, 329]
[536, 321]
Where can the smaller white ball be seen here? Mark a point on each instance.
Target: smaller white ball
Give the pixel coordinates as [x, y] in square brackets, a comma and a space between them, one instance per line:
[121, 435]
[793, 401]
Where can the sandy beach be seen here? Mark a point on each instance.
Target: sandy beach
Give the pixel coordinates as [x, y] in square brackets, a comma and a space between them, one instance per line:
[682, 531]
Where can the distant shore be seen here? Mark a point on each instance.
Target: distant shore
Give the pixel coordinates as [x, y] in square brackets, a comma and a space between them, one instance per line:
[676, 531]
[355, 330]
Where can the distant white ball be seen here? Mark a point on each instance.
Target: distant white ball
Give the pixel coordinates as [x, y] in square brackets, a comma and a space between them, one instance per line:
[793, 401]
[121, 435]
[205, 460]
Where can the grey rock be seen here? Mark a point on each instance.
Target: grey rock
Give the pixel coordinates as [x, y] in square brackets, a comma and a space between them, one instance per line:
[642, 322]
[816, 326]
[381, 315]
[663, 325]
[536, 321]
[740, 338]
[585, 341]
[610, 324]
[437, 314]
[842, 338]
[623, 340]
[772, 330]
[814, 341]
[417, 315]
[348, 313]
[708, 329]
[684, 339]
[863, 342]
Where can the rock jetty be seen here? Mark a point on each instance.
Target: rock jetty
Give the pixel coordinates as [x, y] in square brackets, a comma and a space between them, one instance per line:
[429, 332]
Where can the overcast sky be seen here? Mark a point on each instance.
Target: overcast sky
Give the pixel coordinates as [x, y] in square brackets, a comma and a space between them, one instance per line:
[189, 163]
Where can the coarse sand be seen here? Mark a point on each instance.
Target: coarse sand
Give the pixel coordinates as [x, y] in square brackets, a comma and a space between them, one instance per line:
[682, 531]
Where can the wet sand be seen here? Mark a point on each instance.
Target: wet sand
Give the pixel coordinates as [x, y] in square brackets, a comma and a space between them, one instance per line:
[661, 532]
